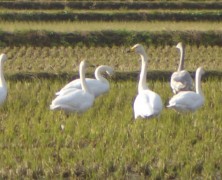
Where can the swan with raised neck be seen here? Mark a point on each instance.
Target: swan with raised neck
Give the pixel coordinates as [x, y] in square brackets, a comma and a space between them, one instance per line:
[182, 53]
[147, 103]
[138, 48]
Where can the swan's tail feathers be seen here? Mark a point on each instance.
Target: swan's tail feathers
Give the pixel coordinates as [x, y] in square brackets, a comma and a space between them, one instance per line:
[145, 116]
[57, 93]
[149, 116]
[170, 105]
[54, 107]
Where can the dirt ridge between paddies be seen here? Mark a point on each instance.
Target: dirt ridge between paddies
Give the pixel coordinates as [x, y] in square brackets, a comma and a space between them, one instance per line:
[111, 5]
[154, 75]
[110, 16]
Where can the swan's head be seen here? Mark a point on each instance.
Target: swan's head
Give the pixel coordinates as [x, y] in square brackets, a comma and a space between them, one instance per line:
[138, 48]
[83, 63]
[179, 45]
[86, 64]
[102, 69]
[3, 57]
[200, 71]
[110, 71]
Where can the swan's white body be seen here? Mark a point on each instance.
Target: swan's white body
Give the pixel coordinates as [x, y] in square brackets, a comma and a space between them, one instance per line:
[186, 101]
[97, 86]
[75, 100]
[181, 80]
[147, 103]
[3, 86]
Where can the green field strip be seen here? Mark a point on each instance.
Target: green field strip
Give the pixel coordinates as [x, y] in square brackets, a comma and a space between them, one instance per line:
[112, 5]
[109, 38]
[118, 16]
[68, 27]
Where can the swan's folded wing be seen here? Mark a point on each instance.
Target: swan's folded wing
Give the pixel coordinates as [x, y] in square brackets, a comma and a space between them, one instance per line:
[73, 84]
[73, 99]
[181, 81]
[63, 92]
[142, 106]
[177, 86]
[147, 104]
[95, 86]
[186, 100]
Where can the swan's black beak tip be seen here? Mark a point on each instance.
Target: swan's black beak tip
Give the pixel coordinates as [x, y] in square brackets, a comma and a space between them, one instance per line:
[128, 51]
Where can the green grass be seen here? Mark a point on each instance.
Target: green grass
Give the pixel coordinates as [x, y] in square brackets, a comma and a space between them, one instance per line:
[104, 142]
[67, 26]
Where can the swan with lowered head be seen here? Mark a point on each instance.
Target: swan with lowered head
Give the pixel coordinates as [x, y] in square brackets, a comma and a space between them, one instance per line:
[97, 86]
[147, 103]
[186, 101]
[76, 100]
[181, 80]
[3, 86]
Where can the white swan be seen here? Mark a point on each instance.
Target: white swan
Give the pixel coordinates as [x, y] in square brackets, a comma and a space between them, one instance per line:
[147, 103]
[97, 86]
[181, 79]
[76, 100]
[189, 100]
[3, 86]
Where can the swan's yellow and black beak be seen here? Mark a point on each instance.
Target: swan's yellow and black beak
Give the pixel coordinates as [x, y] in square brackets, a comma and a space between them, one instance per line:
[110, 73]
[90, 65]
[132, 49]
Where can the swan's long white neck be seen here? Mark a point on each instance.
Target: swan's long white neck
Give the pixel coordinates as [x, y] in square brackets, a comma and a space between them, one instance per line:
[98, 73]
[82, 77]
[181, 65]
[142, 81]
[197, 82]
[2, 78]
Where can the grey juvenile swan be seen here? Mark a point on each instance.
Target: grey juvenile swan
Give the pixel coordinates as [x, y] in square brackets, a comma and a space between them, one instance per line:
[181, 80]
[186, 101]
